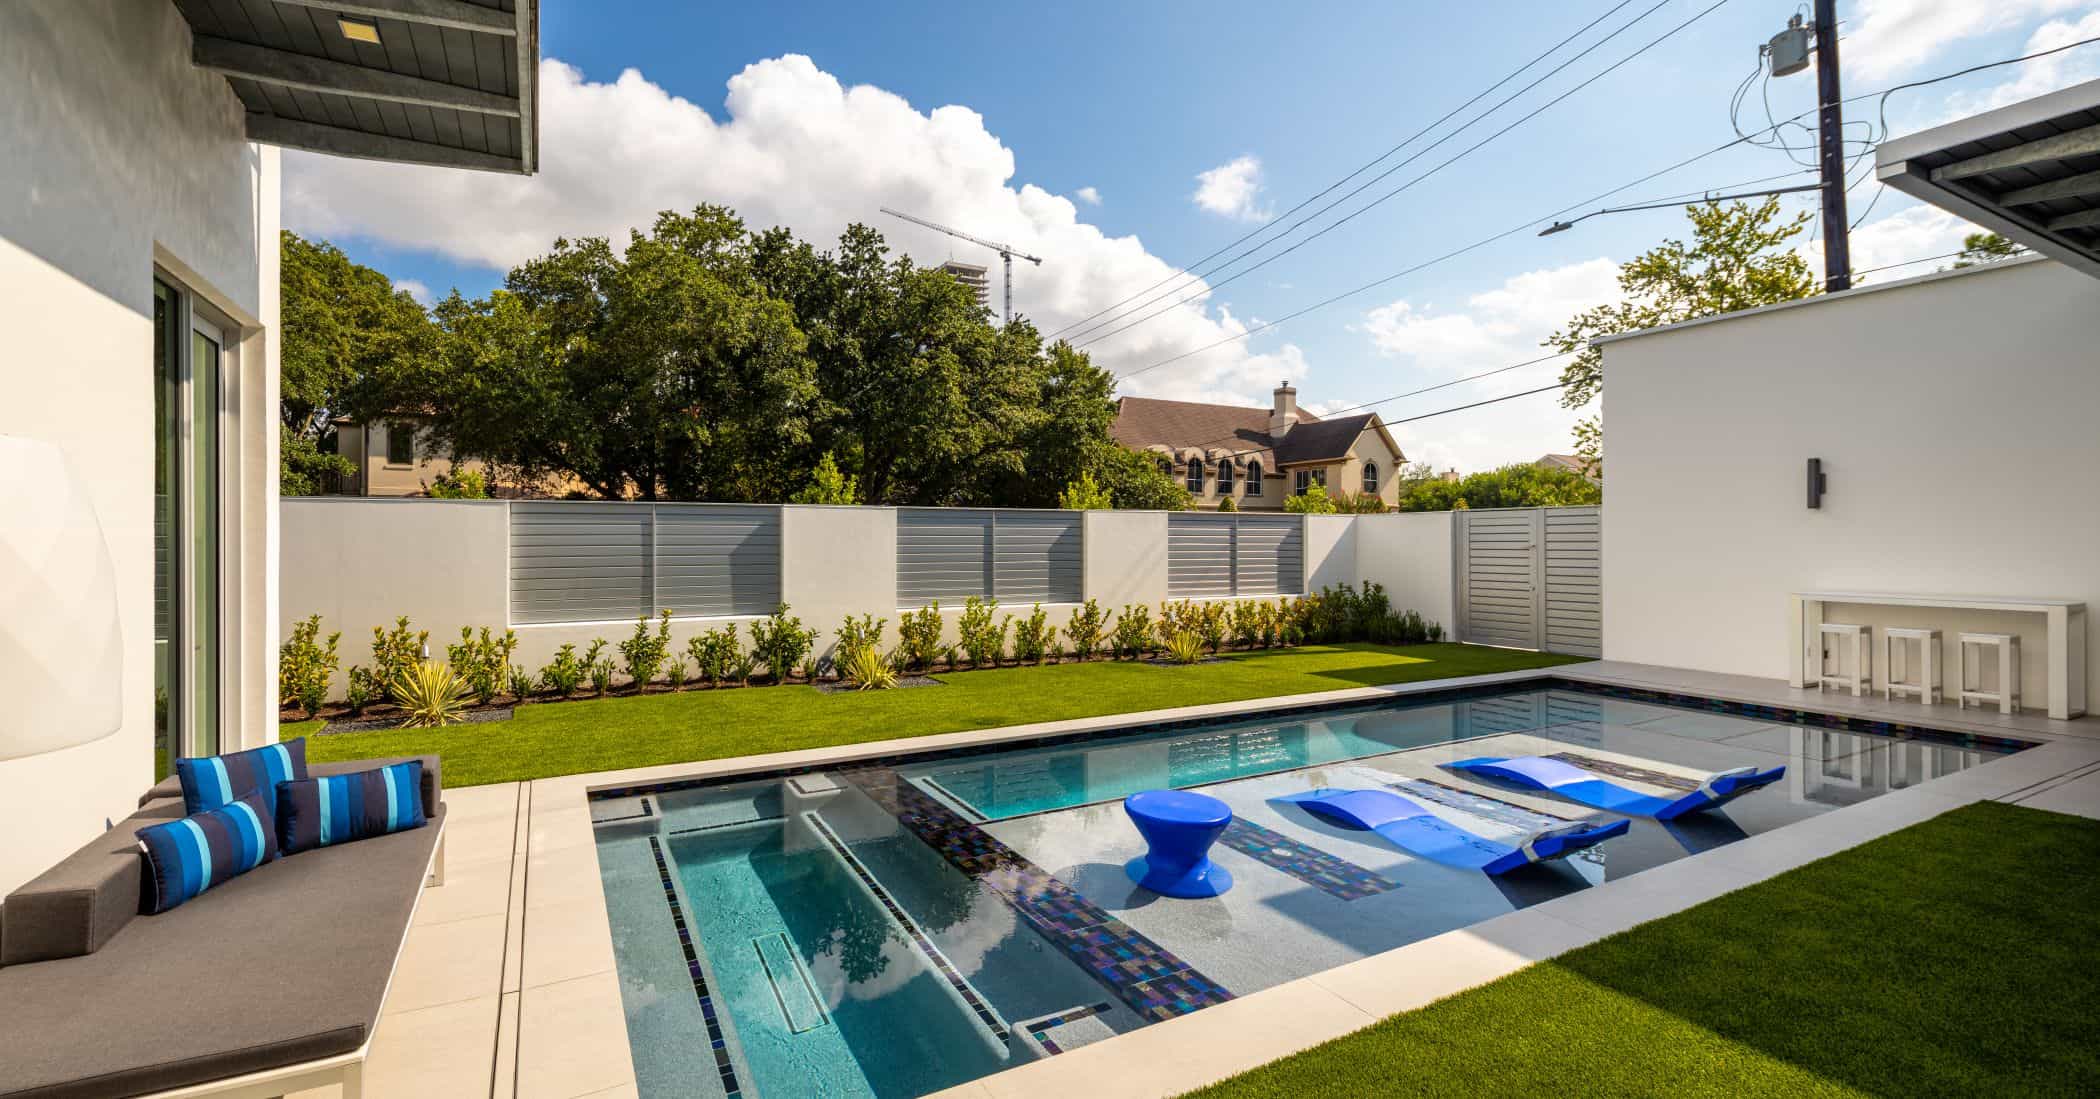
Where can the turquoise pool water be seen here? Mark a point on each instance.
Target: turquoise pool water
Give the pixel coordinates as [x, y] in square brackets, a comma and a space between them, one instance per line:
[897, 927]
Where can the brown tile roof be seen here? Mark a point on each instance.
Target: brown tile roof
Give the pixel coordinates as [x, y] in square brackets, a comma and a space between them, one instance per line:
[1143, 422]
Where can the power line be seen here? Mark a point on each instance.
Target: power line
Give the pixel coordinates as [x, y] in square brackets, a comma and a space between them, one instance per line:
[1366, 166]
[1484, 242]
[1345, 219]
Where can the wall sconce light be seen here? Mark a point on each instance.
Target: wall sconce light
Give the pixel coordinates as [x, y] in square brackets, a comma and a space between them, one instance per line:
[1817, 482]
[61, 640]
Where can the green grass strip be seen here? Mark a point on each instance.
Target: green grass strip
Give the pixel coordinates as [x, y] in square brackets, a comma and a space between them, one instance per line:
[1955, 957]
[567, 738]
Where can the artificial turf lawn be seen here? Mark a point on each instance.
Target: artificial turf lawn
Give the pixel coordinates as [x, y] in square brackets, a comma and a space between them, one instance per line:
[1955, 957]
[607, 734]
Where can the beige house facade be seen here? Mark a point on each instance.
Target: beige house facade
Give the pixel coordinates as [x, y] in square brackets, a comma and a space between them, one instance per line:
[1258, 458]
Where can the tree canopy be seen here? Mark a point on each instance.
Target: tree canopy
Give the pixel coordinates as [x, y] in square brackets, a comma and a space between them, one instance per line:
[705, 361]
[1738, 258]
[1523, 485]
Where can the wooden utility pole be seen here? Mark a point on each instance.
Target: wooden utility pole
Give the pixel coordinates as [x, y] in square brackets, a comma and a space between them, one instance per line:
[1830, 134]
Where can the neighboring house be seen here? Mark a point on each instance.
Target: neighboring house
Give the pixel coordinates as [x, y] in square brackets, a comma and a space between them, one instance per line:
[392, 457]
[1570, 463]
[139, 249]
[1258, 457]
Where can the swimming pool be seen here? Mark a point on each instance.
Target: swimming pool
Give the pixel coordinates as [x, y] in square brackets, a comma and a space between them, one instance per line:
[901, 925]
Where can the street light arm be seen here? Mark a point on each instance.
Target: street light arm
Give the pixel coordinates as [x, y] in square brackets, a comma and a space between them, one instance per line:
[1564, 226]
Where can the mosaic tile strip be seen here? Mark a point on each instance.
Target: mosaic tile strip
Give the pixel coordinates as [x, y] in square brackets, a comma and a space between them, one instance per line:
[1413, 700]
[1616, 769]
[1336, 877]
[917, 934]
[1147, 976]
[1039, 1029]
[715, 1038]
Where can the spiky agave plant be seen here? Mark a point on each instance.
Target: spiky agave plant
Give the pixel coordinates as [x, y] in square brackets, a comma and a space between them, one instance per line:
[1185, 647]
[431, 694]
[868, 670]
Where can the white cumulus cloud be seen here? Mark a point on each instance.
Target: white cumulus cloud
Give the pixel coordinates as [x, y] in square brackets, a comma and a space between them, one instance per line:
[1493, 329]
[1232, 190]
[798, 148]
[417, 289]
[1890, 37]
[1089, 195]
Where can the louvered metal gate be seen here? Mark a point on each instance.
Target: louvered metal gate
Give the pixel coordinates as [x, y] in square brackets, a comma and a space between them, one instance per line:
[1531, 578]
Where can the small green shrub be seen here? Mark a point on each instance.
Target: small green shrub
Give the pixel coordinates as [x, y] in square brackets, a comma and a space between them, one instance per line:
[644, 653]
[674, 672]
[1132, 637]
[460, 484]
[920, 632]
[1185, 647]
[1174, 617]
[602, 677]
[1034, 637]
[714, 653]
[362, 690]
[1210, 625]
[431, 694]
[483, 662]
[1085, 628]
[809, 669]
[396, 652]
[1246, 618]
[780, 642]
[520, 683]
[862, 632]
[867, 669]
[305, 664]
[982, 638]
[742, 666]
[564, 673]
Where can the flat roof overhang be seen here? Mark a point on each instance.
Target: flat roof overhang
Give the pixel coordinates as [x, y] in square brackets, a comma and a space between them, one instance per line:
[452, 83]
[2029, 172]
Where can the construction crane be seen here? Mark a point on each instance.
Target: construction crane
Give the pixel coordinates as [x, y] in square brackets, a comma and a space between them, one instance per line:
[1006, 251]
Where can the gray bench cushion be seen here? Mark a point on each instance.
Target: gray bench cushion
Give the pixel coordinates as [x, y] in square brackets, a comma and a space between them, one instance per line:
[285, 964]
[74, 908]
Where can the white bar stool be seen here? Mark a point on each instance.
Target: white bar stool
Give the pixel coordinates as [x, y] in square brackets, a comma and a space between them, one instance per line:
[1895, 642]
[1856, 638]
[2007, 696]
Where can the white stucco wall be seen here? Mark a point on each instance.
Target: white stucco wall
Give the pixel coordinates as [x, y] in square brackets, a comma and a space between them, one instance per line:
[1330, 551]
[115, 155]
[1410, 553]
[1956, 419]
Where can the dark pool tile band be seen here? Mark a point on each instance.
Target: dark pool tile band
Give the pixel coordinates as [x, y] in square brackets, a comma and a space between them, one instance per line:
[1436, 697]
[716, 1040]
[1039, 1029]
[1147, 976]
[911, 927]
[1336, 877]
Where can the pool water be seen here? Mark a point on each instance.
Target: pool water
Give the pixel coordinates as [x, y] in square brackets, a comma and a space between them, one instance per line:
[898, 927]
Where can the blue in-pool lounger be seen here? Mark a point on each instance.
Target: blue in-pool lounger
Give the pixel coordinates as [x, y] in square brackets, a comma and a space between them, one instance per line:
[1578, 785]
[1419, 832]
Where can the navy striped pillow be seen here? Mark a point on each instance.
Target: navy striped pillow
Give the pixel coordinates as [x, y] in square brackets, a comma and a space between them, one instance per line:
[211, 781]
[317, 812]
[188, 856]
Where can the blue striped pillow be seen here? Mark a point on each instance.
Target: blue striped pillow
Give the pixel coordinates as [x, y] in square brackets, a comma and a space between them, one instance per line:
[211, 781]
[188, 856]
[317, 812]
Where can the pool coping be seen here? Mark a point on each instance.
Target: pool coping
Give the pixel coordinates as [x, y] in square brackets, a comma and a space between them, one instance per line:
[1171, 1057]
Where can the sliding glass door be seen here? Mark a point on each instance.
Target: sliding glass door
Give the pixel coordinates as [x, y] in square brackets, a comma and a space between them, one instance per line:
[190, 367]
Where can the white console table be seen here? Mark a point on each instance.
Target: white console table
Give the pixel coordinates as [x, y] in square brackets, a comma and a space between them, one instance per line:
[2066, 634]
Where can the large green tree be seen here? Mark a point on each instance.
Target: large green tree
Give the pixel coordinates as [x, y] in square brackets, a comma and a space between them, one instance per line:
[1738, 258]
[353, 345]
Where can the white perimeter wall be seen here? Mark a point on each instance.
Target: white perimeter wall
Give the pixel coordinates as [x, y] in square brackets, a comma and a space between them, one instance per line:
[361, 562]
[1958, 419]
[115, 154]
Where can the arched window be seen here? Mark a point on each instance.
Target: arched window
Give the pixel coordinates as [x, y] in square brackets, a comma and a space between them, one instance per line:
[1254, 478]
[1195, 481]
[1371, 477]
[1224, 476]
[1166, 466]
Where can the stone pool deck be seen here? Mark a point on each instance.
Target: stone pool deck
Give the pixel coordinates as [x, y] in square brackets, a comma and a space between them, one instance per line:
[507, 987]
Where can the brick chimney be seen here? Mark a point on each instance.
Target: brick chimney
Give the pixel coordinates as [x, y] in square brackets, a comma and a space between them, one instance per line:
[1285, 412]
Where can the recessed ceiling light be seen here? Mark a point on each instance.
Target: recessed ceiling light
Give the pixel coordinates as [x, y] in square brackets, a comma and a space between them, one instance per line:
[358, 32]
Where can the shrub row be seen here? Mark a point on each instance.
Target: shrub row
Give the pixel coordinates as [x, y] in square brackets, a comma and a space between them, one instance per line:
[780, 649]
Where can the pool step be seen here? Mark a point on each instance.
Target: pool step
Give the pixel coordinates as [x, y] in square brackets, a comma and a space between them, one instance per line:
[793, 990]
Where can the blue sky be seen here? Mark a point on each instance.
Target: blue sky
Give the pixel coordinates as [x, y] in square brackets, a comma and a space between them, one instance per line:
[1136, 102]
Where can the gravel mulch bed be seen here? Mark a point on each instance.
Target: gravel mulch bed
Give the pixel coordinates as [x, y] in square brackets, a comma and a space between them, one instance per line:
[837, 685]
[395, 721]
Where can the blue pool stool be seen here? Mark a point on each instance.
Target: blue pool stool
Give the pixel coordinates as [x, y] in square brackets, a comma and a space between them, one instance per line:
[1179, 826]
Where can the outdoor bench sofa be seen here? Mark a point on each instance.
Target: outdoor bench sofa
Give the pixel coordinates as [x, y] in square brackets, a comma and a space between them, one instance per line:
[269, 983]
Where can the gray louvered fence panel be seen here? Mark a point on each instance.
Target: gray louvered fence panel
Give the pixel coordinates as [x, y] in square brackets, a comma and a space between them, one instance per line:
[1574, 568]
[1036, 557]
[1498, 592]
[1269, 558]
[1200, 556]
[943, 554]
[717, 559]
[579, 562]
